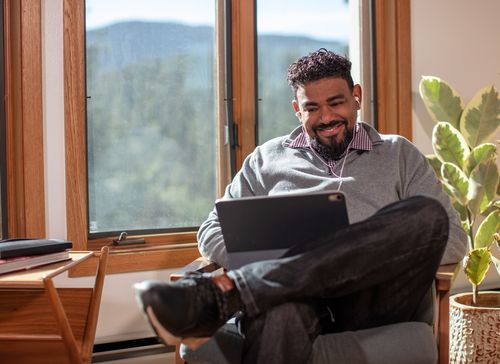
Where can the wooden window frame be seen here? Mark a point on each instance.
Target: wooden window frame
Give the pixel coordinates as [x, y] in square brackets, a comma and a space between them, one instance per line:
[24, 118]
[392, 49]
[3, 148]
[393, 92]
[244, 77]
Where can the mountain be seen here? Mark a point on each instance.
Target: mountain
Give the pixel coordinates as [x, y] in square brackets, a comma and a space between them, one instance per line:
[152, 40]
[147, 40]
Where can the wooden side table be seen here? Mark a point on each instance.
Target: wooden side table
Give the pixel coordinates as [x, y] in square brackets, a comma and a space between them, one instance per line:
[40, 323]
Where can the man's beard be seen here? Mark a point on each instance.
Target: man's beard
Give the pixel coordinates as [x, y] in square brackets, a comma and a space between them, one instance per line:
[333, 150]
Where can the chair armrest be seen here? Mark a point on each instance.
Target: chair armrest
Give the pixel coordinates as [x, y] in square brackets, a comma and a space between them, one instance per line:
[444, 279]
[445, 276]
[201, 265]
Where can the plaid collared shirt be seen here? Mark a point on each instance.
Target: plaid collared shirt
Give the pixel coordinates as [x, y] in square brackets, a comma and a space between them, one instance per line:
[360, 141]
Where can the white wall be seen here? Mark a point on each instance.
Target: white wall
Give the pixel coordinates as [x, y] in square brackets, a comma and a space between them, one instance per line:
[453, 39]
[458, 41]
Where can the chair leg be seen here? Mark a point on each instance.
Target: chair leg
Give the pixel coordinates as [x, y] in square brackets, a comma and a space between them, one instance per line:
[444, 329]
[444, 279]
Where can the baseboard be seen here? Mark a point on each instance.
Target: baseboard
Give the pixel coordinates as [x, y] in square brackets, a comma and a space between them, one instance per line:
[117, 350]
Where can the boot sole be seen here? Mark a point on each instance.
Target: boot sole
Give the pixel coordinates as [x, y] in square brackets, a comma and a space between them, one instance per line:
[165, 336]
[192, 343]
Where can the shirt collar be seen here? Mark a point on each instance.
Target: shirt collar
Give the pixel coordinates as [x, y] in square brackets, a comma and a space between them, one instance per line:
[360, 141]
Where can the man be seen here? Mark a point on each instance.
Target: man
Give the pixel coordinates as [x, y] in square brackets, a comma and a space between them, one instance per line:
[373, 273]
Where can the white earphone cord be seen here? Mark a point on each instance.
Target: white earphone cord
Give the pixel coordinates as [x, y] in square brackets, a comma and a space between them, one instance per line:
[343, 164]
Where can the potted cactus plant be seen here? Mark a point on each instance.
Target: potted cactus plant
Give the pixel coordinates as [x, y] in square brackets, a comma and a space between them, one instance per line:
[465, 161]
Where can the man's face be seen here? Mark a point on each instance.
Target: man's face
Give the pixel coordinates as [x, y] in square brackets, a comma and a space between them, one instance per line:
[328, 110]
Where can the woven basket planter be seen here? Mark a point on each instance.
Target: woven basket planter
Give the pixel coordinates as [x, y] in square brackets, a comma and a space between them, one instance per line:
[475, 331]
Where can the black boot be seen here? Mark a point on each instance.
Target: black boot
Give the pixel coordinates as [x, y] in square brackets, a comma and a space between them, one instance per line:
[193, 306]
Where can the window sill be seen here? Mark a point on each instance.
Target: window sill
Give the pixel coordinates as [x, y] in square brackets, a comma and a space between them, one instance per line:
[138, 259]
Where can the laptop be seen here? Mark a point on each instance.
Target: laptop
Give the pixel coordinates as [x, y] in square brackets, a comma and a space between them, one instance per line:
[265, 227]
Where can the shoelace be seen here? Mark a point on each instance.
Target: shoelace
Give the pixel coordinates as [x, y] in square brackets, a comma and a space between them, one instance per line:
[206, 287]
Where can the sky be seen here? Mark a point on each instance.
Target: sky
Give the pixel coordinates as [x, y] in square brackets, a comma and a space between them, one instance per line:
[321, 19]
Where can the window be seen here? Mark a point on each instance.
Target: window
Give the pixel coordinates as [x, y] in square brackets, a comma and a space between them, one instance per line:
[151, 115]
[151, 102]
[154, 155]
[111, 110]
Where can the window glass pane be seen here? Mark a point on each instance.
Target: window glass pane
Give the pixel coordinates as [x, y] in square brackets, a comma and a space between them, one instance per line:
[287, 30]
[150, 113]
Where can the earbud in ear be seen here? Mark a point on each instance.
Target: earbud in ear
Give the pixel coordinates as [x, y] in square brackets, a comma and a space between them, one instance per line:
[297, 114]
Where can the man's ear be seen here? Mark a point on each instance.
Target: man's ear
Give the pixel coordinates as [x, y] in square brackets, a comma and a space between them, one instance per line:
[296, 108]
[357, 92]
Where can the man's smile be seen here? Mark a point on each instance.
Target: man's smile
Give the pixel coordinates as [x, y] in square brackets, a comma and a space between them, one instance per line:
[330, 129]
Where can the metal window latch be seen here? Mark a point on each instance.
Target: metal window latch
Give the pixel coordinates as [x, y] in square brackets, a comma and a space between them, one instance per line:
[122, 240]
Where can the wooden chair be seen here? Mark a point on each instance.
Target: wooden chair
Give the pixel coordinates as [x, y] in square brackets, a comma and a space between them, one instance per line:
[40, 323]
[443, 282]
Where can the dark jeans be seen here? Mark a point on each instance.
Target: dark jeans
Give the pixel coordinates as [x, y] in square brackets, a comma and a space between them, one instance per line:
[372, 273]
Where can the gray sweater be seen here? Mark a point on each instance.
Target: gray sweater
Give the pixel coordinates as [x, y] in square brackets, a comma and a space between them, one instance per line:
[393, 170]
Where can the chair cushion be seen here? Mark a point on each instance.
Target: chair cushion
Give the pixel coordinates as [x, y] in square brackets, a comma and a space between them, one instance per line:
[404, 343]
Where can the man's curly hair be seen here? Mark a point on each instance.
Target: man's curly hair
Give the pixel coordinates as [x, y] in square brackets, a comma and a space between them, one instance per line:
[318, 65]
